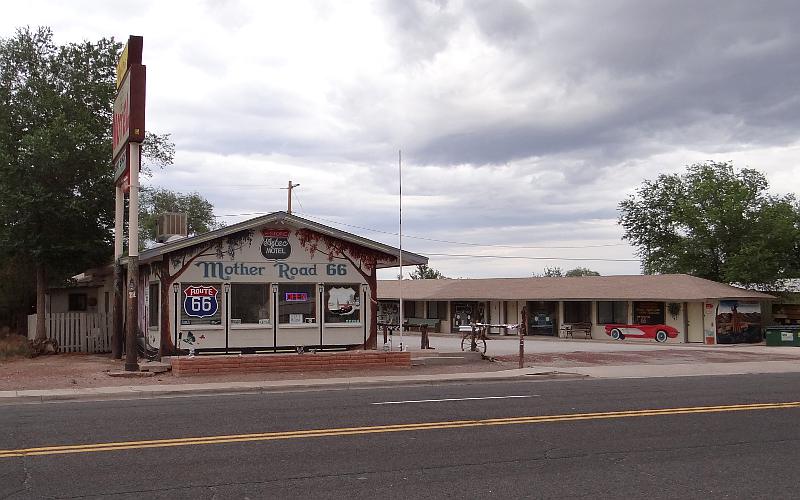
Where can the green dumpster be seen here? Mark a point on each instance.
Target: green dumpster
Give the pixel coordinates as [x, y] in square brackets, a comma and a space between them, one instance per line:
[783, 336]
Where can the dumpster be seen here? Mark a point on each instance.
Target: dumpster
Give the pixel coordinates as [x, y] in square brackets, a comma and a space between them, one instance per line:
[783, 336]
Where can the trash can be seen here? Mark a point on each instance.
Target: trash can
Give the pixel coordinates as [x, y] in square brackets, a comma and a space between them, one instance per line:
[783, 336]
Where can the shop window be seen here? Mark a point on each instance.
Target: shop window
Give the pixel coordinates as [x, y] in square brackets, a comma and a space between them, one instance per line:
[77, 302]
[297, 304]
[152, 304]
[577, 312]
[388, 312]
[249, 304]
[437, 310]
[609, 312]
[648, 313]
[200, 304]
[343, 304]
[409, 309]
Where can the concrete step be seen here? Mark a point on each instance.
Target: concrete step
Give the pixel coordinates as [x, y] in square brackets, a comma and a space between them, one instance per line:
[154, 367]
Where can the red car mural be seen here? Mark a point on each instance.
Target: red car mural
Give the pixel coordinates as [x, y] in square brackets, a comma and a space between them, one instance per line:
[658, 332]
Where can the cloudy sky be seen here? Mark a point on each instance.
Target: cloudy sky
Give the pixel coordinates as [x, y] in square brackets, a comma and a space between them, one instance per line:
[522, 124]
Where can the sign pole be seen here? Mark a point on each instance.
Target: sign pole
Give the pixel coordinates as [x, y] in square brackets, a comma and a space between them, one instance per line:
[117, 333]
[131, 359]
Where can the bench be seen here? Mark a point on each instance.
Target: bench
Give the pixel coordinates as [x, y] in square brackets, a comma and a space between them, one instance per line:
[570, 329]
[432, 324]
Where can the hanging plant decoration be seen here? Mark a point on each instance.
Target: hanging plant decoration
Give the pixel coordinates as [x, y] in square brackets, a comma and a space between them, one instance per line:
[674, 309]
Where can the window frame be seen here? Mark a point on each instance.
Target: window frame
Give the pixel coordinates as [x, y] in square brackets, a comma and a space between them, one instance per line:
[614, 319]
[326, 313]
[207, 322]
[153, 320]
[268, 306]
[312, 295]
[583, 303]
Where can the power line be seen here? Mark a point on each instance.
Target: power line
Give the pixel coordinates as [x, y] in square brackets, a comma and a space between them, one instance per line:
[472, 256]
[523, 247]
[390, 233]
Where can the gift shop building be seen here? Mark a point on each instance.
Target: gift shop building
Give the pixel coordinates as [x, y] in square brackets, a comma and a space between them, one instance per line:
[269, 284]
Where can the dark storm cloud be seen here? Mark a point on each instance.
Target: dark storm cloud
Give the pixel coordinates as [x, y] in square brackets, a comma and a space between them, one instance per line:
[669, 72]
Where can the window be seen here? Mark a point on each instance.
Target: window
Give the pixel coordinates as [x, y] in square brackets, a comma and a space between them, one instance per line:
[577, 312]
[152, 303]
[437, 310]
[343, 304]
[648, 313]
[200, 304]
[249, 304]
[77, 302]
[297, 304]
[409, 309]
[612, 312]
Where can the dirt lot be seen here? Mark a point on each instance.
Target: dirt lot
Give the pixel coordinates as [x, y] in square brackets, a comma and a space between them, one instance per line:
[91, 370]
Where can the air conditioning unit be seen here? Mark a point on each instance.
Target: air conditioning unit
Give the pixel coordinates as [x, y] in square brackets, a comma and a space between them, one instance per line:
[171, 224]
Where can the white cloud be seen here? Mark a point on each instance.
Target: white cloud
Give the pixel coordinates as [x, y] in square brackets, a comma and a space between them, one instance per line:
[521, 123]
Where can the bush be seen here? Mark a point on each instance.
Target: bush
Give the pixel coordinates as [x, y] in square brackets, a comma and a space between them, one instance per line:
[12, 345]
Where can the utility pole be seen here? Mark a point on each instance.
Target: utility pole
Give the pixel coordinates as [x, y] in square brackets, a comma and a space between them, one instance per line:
[289, 200]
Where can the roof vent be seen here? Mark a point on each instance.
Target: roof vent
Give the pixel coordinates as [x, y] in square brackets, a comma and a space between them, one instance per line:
[171, 224]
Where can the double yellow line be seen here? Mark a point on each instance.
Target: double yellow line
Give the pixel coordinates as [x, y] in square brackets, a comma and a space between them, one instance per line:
[380, 429]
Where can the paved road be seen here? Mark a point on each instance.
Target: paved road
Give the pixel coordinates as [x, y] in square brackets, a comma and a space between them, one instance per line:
[522, 439]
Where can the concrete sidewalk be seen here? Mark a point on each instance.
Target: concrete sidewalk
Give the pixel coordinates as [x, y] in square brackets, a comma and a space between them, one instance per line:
[534, 372]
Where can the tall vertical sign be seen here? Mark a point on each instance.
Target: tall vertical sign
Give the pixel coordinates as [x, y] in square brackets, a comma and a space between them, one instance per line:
[127, 136]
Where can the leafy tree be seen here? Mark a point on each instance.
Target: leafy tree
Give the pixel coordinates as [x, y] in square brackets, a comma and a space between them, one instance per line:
[155, 201]
[550, 272]
[56, 195]
[56, 186]
[581, 271]
[424, 272]
[715, 222]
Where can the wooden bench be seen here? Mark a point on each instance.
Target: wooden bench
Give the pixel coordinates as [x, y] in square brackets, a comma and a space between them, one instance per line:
[432, 324]
[570, 329]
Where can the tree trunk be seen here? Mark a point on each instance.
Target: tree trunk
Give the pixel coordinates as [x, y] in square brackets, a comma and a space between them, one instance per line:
[41, 285]
[372, 340]
[167, 347]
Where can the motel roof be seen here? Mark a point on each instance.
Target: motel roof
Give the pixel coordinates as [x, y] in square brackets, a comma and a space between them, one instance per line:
[290, 220]
[671, 287]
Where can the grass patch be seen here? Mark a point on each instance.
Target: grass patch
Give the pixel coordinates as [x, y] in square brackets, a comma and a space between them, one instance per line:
[12, 346]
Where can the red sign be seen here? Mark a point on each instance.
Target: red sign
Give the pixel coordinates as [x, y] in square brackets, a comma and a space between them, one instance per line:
[296, 297]
[201, 291]
[128, 124]
[275, 233]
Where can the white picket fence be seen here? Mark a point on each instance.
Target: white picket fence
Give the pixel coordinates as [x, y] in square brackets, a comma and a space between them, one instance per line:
[76, 332]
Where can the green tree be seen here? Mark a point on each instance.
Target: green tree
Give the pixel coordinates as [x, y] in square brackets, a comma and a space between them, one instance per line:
[550, 272]
[156, 201]
[715, 222]
[581, 271]
[56, 186]
[56, 195]
[424, 272]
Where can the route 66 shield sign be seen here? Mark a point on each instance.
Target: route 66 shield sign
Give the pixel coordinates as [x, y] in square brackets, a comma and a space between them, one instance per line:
[200, 301]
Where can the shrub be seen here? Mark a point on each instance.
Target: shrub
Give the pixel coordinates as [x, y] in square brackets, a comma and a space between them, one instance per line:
[13, 345]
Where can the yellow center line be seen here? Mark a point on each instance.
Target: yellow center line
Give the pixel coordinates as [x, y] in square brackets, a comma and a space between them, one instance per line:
[379, 429]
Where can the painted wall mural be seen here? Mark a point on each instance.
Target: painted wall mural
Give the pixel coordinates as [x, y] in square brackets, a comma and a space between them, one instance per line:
[659, 332]
[738, 321]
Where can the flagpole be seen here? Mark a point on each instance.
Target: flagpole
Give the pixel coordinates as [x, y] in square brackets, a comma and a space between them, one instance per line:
[400, 175]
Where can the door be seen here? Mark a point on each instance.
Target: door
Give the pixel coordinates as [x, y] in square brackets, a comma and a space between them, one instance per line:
[694, 322]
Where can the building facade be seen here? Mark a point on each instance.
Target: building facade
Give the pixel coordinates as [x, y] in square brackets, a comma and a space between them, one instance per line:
[666, 308]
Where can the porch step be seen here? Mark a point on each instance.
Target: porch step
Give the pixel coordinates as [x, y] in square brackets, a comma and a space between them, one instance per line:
[154, 367]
